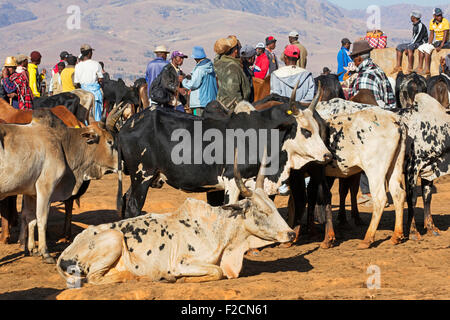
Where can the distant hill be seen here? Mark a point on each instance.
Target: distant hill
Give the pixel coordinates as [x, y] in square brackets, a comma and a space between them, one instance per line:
[125, 32]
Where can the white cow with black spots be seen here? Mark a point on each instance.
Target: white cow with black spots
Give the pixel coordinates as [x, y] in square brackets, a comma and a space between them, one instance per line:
[196, 243]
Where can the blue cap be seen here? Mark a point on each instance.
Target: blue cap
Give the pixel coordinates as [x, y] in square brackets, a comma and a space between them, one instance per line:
[437, 12]
[198, 53]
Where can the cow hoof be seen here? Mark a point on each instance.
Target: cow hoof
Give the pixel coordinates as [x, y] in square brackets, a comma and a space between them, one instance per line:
[48, 259]
[434, 232]
[34, 253]
[415, 236]
[363, 245]
[286, 245]
[397, 239]
[326, 245]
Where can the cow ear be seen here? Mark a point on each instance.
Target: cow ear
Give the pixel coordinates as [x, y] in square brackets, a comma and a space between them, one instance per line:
[91, 137]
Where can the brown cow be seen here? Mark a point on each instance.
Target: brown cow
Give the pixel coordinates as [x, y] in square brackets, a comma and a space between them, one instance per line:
[12, 115]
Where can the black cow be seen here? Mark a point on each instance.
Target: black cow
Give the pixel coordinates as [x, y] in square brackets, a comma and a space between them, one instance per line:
[150, 157]
[331, 86]
[439, 88]
[116, 91]
[69, 100]
[406, 88]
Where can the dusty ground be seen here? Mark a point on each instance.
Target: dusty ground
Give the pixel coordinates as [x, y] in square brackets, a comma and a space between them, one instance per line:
[411, 270]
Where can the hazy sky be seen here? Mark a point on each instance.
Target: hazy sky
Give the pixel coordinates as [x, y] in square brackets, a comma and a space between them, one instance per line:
[361, 4]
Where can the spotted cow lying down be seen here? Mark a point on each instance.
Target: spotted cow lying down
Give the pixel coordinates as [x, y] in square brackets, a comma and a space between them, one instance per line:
[196, 243]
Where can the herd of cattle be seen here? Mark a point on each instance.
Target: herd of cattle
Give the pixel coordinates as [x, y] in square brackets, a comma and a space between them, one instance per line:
[50, 155]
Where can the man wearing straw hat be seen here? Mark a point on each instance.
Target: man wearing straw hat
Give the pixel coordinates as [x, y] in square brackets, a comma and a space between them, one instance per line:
[155, 66]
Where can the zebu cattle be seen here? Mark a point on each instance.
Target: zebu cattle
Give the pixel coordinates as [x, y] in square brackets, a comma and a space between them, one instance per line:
[87, 101]
[439, 88]
[298, 143]
[48, 164]
[406, 88]
[140, 87]
[115, 92]
[427, 149]
[332, 88]
[196, 243]
[70, 100]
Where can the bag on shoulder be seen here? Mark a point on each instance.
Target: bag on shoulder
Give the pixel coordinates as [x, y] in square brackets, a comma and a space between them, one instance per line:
[157, 93]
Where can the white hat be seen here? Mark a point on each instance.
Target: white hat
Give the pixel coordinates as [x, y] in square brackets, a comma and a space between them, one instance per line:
[293, 34]
[416, 14]
[260, 46]
[161, 49]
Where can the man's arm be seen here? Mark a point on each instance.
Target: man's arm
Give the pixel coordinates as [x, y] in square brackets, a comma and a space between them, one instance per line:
[310, 87]
[443, 41]
[195, 82]
[263, 63]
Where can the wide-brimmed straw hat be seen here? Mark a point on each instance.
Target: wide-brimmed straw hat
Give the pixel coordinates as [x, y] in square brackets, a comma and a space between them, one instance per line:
[161, 49]
[225, 44]
[10, 62]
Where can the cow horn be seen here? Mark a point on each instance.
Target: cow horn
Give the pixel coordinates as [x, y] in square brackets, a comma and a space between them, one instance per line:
[238, 178]
[313, 105]
[114, 116]
[261, 176]
[292, 105]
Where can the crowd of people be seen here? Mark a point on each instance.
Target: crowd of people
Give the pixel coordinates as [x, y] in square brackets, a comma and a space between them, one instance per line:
[229, 76]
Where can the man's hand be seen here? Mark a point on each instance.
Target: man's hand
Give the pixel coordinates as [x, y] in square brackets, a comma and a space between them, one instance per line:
[180, 78]
[5, 73]
[182, 91]
[12, 95]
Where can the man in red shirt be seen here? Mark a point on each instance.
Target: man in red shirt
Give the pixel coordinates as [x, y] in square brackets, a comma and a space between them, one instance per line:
[261, 62]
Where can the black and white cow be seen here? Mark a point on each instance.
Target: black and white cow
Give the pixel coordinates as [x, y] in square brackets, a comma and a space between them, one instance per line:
[149, 142]
[406, 88]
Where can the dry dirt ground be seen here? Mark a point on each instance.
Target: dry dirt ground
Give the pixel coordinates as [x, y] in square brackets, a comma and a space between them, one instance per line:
[411, 270]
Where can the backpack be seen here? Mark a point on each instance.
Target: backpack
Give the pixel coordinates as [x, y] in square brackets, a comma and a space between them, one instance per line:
[157, 93]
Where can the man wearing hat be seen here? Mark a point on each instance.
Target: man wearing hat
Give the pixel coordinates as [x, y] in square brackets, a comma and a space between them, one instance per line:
[16, 85]
[56, 72]
[203, 84]
[166, 89]
[284, 80]
[370, 76]
[22, 64]
[261, 62]
[439, 39]
[420, 37]
[89, 75]
[155, 66]
[232, 81]
[271, 44]
[293, 39]
[343, 58]
[248, 54]
[36, 79]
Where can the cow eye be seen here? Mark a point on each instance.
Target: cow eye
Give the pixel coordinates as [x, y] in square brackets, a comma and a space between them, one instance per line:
[306, 133]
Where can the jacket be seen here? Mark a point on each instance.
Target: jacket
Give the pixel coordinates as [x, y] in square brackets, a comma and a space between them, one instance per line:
[164, 88]
[154, 68]
[273, 61]
[262, 62]
[35, 79]
[303, 55]
[420, 33]
[203, 84]
[283, 82]
[343, 59]
[233, 83]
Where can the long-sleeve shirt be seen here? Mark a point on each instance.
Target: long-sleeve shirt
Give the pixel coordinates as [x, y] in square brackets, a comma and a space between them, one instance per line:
[343, 60]
[18, 83]
[154, 68]
[35, 79]
[283, 82]
[262, 62]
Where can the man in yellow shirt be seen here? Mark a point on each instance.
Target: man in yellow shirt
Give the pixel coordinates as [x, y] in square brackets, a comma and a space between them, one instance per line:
[438, 39]
[67, 74]
[35, 77]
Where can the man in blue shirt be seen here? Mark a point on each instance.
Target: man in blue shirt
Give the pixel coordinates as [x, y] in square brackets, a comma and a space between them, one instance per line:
[343, 58]
[155, 67]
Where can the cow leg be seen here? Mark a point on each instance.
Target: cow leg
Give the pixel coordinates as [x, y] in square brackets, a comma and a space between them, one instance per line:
[4, 210]
[297, 199]
[137, 198]
[378, 190]
[428, 218]
[197, 272]
[354, 188]
[344, 187]
[68, 204]
[411, 198]
[398, 195]
[42, 211]
[330, 236]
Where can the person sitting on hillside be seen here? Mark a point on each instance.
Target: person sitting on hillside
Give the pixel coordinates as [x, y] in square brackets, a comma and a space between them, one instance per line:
[439, 39]
[284, 80]
[420, 37]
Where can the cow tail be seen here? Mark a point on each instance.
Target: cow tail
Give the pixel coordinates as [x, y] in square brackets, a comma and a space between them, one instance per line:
[119, 187]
